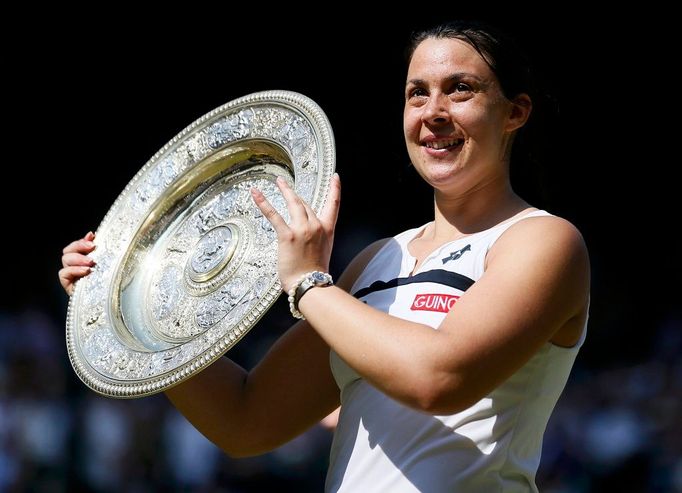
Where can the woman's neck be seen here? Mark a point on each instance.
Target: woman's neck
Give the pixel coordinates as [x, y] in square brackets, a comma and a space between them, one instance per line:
[474, 211]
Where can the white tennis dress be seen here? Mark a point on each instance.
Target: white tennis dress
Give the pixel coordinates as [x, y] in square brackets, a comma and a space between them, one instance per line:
[383, 446]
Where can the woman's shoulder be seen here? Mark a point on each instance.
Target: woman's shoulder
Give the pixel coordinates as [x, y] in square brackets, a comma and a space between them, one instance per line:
[541, 233]
[543, 222]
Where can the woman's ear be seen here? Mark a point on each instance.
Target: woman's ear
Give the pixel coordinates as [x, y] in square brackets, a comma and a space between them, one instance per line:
[521, 106]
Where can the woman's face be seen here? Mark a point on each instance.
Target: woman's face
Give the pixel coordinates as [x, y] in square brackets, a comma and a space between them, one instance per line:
[457, 122]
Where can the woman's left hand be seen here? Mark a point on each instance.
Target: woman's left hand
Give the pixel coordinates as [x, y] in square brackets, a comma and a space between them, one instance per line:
[305, 244]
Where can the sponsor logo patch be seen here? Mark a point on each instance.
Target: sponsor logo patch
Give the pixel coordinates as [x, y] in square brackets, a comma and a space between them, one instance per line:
[433, 302]
[457, 254]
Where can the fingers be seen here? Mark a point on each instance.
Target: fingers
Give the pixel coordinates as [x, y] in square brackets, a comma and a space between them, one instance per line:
[268, 210]
[76, 259]
[75, 262]
[298, 211]
[76, 251]
[84, 245]
[69, 275]
[330, 211]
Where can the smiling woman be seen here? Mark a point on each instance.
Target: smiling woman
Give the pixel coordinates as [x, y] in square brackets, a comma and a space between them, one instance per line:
[456, 111]
[447, 345]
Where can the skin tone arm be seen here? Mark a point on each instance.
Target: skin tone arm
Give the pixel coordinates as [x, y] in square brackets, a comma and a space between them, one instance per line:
[534, 289]
[249, 413]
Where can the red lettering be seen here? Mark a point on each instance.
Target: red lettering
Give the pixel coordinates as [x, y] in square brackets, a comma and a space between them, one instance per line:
[434, 302]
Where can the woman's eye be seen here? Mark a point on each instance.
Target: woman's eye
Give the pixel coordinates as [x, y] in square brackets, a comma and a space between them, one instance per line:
[462, 87]
[417, 92]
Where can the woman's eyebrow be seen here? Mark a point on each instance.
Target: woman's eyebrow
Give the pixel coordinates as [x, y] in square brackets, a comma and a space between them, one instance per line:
[452, 77]
[415, 82]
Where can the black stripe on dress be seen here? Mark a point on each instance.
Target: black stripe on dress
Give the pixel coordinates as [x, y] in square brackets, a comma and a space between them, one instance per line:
[439, 276]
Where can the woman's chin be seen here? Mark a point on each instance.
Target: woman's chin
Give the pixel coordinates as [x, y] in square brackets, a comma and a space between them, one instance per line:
[439, 175]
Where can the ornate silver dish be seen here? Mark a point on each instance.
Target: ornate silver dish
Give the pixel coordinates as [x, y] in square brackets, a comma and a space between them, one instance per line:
[186, 263]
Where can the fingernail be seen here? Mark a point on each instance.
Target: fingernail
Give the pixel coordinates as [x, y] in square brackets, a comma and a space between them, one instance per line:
[89, 243]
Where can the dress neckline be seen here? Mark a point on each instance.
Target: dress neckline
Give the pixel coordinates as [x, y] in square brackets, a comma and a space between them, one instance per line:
[410, 261]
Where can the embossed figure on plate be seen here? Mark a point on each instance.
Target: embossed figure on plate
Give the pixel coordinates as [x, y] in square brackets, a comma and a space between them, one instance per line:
[213, 251]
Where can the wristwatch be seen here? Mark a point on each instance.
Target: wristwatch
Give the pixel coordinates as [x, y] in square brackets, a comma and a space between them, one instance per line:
[306, 282]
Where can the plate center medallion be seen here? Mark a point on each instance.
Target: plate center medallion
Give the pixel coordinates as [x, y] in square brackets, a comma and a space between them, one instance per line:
[213, 251]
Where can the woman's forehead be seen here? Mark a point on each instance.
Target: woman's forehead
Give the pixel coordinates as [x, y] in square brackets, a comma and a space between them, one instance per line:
[446, 52]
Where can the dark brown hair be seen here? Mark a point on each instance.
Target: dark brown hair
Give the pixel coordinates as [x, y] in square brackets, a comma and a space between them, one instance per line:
[502, 54]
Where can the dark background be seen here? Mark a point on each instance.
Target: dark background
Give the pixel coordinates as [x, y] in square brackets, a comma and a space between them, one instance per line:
[90, 102]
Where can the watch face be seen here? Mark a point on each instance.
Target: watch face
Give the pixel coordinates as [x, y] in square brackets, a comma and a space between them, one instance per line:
[319, 277]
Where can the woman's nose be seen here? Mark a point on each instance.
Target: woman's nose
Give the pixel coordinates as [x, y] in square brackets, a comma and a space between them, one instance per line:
[436, 110]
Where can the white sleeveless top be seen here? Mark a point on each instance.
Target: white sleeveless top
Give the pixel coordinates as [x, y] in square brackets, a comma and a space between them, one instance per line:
[381, 445]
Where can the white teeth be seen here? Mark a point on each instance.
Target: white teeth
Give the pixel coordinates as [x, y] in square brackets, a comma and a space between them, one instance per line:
[442, 144]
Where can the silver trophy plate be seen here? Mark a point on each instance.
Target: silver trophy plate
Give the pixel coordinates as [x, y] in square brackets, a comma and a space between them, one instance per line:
[185, 262]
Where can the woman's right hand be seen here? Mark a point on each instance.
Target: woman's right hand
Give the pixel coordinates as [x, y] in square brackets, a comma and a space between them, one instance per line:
[76, 263]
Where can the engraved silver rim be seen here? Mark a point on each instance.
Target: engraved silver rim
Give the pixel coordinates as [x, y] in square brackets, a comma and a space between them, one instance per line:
[116, 361]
